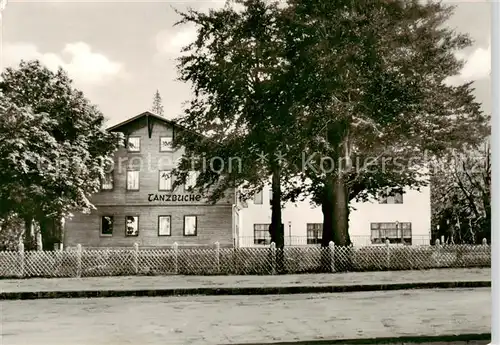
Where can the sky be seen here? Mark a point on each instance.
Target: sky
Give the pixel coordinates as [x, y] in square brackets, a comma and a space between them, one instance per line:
[120, 53]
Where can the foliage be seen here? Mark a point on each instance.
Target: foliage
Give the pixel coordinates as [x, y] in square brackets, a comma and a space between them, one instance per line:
[461, 197]
[364, 82]
[53, 144]
[238, 78]
[11, 230]
[157, 106]
[370, 84]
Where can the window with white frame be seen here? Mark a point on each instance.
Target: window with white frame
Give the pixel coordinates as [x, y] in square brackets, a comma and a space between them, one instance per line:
[165, 180]
[391, 196]
[107, 181]
[164, 225]
[133, 180]
[166, 143]
[107, 225]
[261, 234]
[134, 144]
[191, 178]
[190, 226]
[314, 233]
[395, 232]
[131, 226]
[258, 198]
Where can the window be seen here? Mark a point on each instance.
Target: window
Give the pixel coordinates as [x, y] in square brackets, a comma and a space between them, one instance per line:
[257, 198]
[261, 234]
[166, 144]
[132, 180]
[107, 181]
[190, 180]
[165, 180]
[164, 225]
[394, 232]
[270, 195]
[394, 196]
[107, 225]
[190, 225]
[314, 233]
[131, 226]
[134, 144]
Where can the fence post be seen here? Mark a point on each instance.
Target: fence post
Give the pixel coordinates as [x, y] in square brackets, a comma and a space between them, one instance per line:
[438, 247]
[388, 256]
[331, 247]
[217, 256]
[136, 258]
[485, 242]
[176, 257]
[21, 260]
[78, 260]
[273, 258]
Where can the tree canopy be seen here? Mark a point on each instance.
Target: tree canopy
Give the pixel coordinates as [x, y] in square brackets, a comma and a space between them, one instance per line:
[53, 146]
[364, 82]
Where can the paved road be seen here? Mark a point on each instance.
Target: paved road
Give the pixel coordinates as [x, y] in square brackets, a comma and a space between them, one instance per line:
[182, 282]
[239, 319]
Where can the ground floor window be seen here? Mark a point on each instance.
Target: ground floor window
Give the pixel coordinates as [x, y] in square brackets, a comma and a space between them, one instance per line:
[394, 232]
[261, 234]
[164, 226]
[314, 233]
[190, 225]
[107, 225]
[132, 226]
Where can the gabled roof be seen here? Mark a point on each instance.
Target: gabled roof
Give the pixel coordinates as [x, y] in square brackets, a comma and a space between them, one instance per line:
[144, 114]
[148, 114]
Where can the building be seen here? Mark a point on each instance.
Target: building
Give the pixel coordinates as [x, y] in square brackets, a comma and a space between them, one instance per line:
[401, 218]
[136, 203]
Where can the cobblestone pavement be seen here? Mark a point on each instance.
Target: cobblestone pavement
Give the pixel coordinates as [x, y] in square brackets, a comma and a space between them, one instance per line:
[180, 282]
[238, 319]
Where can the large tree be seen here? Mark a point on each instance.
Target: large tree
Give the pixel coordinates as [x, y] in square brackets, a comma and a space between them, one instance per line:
[370, 84]
[54, 148]
[236, 67]
[363, 83]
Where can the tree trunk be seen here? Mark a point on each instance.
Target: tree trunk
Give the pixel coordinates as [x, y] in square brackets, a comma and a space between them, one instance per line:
[276, 228]
[51, 232]
[335, 209]
[29, 238]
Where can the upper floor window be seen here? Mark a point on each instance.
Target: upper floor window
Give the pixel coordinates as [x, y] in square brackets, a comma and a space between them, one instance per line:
[107, 181]
[166, 143]
[134, 144]
[191, 180]
[165, 180]
[132, 180]
[392, 196]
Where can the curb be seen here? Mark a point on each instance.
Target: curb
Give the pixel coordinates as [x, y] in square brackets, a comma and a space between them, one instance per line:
[215, 291]
[461, 339]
